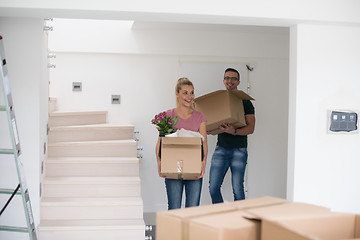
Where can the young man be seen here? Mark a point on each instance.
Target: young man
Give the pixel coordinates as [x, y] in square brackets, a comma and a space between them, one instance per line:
[231, 148]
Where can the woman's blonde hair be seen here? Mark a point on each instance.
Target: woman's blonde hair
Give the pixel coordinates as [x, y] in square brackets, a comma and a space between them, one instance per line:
[181, 82]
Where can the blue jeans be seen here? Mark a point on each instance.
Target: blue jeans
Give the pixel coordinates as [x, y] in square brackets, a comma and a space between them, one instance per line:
[174, 190]
[223, 158]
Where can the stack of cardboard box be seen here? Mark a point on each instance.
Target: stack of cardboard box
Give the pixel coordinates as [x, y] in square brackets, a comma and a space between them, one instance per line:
[265, 218]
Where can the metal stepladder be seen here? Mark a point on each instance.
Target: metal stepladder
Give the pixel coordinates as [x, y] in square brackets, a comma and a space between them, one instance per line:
[21, 189]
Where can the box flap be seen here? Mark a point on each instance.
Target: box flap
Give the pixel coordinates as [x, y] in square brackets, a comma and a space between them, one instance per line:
[223, 220]
[192, 212]
[318, 226]
[258, 202]
[230, 225]
[275, 231]
[181, 140]
[288, 210]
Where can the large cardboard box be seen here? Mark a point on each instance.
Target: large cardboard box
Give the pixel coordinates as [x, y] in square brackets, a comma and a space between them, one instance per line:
[222, 106]
[232, 225]
[181, 157]
[174, 224]
[273, 218]
[331, 226]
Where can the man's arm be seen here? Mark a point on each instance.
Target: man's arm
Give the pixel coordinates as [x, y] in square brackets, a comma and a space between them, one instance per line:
[250, 126]
[247, 130]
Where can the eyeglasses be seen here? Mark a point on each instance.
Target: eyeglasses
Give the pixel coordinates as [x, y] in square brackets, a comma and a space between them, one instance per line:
[231, 78]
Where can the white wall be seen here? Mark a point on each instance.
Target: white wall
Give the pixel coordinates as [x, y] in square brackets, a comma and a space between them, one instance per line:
[143, 67]
[274, 13]
[27, 75]
[327, 74]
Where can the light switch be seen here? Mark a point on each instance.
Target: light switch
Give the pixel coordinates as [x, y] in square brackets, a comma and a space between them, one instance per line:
[77, 86]
[343, 121]
[115, 99]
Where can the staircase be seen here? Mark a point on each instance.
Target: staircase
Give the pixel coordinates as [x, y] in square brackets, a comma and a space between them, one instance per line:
[91, 188]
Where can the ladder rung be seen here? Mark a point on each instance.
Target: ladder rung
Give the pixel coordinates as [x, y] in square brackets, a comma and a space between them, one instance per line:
[6, 151]
[8, 191]
[13, 229]
[2, 108]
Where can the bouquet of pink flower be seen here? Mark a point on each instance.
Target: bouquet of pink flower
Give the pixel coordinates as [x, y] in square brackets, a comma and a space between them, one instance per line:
[164, 124]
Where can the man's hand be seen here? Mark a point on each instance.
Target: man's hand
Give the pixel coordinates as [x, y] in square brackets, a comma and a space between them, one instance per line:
[227, 128]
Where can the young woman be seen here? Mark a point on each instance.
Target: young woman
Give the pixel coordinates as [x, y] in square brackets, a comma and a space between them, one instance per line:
[192, 120]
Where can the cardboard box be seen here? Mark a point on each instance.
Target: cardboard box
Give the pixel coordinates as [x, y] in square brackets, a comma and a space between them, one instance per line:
[264, 218]
[174, 224]
[272, 217]
[238, 224]
[181, 157]
[331, 226]
[222, 106]
[225, 226]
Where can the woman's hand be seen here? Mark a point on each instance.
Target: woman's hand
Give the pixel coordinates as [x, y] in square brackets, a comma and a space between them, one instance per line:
[157, 152]
[203, 166]
[203, 132]
[159, 168]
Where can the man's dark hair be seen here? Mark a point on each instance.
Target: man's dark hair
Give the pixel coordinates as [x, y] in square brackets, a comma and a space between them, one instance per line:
[233, 70]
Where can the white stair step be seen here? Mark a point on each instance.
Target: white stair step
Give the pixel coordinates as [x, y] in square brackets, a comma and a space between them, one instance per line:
[118, 148]
[91, 187]
[92, 229]
[68, 118]
[92, 167]
[91, 208]
[98, 132]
